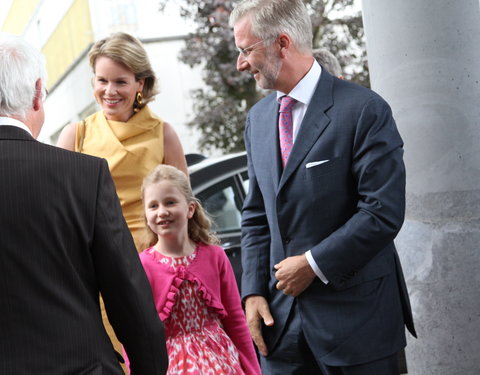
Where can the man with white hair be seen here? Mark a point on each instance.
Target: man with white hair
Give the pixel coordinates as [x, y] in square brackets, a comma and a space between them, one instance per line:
[63, 240]
[328, 60]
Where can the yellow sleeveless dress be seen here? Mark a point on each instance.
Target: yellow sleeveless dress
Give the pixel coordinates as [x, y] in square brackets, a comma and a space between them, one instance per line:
[132, 149]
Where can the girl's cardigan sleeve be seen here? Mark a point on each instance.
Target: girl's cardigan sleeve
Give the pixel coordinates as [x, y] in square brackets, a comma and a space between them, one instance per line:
[234, 323]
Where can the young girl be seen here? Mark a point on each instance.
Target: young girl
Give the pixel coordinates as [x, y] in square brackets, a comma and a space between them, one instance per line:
[193, 283]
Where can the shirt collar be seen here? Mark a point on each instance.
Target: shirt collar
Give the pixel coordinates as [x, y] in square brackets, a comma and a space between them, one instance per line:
[13, 122]
[305, 89]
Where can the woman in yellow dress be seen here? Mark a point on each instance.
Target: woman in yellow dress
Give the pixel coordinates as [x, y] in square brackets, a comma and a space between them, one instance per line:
[125, 132]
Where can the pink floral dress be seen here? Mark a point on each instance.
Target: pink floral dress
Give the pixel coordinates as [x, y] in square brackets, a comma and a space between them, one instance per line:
[196, 341]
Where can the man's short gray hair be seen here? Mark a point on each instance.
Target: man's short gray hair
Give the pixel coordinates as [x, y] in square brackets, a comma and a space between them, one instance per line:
[21, 65]
[271, 18]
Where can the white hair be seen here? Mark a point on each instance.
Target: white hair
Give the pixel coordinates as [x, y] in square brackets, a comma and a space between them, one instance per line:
[328, 61]
[270, 18]
[21, 65]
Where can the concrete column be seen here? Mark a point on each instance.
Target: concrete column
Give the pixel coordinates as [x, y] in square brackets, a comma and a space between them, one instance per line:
[424, 59]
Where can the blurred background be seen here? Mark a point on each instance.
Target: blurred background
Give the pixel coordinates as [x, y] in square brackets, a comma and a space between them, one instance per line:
[192, 51]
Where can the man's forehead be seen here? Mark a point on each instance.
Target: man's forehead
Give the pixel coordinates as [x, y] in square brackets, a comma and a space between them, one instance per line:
[243, 29]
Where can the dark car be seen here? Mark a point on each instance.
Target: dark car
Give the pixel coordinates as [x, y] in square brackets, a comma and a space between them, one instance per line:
[221, 183]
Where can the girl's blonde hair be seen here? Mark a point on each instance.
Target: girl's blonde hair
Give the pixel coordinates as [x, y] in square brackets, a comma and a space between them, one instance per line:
[199, 226]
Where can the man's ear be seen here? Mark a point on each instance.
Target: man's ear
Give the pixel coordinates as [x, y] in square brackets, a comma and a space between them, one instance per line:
[38, 95]
[284, 42]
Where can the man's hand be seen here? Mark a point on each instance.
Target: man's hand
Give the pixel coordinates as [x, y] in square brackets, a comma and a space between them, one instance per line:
[294, 275]
[256, 309]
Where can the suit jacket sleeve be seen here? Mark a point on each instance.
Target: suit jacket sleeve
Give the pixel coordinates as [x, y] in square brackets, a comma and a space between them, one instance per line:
[379, 175]
[255, 233]
[124, 285]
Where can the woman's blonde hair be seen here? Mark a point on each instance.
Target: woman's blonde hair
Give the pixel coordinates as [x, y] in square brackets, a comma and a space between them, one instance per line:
[199, 226]
[127, 50]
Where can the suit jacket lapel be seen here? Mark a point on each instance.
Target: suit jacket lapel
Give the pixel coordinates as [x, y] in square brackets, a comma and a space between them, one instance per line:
[268, 120]
[313, 124]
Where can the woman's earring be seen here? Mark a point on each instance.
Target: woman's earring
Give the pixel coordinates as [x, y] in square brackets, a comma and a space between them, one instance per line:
[137, 105]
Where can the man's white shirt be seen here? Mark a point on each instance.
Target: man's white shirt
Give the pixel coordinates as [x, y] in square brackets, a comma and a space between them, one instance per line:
[303, 93]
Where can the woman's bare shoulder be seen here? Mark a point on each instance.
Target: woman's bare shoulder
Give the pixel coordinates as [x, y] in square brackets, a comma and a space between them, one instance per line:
[66, 139]
[173, 149]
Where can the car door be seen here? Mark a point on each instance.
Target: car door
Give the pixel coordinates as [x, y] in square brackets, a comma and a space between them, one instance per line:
[223, 202]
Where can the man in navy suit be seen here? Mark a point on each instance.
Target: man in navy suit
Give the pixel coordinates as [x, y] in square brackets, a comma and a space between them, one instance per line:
[322, 284]
[63, 240]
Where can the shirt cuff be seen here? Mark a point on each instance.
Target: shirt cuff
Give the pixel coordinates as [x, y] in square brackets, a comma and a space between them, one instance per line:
[315, 268]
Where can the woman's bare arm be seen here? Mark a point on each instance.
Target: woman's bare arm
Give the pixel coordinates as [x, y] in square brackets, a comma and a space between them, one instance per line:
[173, 150]
[66, 139]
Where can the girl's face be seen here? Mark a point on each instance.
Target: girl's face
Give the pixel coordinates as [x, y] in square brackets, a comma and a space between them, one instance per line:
[167, 210]
[115, 89]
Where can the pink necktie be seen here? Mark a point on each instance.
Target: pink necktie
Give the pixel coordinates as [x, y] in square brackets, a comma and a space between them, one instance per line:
[285, 127]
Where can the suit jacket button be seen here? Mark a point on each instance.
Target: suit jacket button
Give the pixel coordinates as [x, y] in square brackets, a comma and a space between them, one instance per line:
[287, 241]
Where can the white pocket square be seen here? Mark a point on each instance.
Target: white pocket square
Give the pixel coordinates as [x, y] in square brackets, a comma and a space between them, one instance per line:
[315, 163]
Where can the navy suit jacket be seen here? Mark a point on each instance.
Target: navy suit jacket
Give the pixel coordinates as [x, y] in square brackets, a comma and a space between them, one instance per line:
[63, 240]
[347, 206]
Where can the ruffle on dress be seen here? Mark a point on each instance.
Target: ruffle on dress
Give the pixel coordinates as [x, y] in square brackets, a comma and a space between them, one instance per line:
[181, 274]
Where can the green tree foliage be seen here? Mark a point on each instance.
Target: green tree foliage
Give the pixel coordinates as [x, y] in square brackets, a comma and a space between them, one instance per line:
[221, 106]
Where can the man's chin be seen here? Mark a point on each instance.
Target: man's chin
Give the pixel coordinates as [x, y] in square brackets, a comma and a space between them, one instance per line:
[261, 83]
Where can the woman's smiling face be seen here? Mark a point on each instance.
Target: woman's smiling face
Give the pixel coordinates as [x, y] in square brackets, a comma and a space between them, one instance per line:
[115, 88]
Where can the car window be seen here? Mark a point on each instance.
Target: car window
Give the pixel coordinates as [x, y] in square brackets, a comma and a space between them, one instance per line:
[222, 204]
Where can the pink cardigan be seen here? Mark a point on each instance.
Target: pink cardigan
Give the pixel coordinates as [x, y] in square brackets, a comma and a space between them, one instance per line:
[212, 272]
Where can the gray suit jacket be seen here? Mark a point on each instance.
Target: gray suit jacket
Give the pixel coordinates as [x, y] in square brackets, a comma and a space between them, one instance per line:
[63, 240]
[342, 196]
